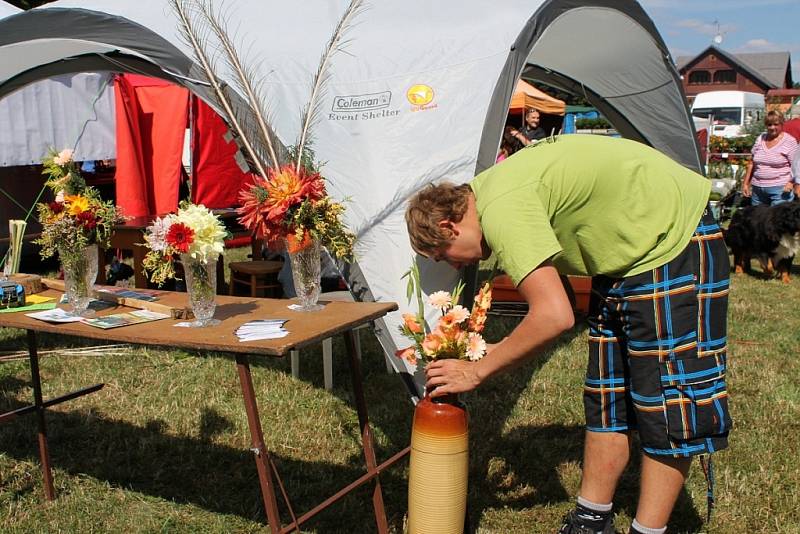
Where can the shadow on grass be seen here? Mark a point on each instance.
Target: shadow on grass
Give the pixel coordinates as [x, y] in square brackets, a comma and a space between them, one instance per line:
[193, 470]
[224, 480]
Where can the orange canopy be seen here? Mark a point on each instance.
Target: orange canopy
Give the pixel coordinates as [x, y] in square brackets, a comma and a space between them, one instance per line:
[527, 96]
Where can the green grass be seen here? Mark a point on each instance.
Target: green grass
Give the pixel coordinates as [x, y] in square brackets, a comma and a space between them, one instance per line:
[163, 447]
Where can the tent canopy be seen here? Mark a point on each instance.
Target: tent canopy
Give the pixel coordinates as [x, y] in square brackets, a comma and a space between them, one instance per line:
[7, 9]
[381, 141]
[527, 96]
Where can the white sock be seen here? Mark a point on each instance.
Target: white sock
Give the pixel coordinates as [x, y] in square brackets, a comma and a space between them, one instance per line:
[594, 506]
[645, 530]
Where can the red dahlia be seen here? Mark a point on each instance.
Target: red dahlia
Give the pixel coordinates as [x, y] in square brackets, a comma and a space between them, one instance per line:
[87, 220]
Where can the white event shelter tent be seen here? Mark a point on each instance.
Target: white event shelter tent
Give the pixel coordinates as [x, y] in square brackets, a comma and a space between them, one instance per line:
[419, 95]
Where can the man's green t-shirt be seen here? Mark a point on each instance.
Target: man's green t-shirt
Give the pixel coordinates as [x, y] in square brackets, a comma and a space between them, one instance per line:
[594, 205]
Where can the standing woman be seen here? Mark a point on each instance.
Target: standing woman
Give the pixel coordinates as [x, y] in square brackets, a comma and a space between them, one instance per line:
[768, 178]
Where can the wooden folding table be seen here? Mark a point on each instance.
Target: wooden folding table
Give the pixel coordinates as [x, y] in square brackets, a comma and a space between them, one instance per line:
[305, 329]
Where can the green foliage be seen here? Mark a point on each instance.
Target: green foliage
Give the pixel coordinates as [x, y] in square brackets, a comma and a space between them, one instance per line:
[599, 123]
[163, 447]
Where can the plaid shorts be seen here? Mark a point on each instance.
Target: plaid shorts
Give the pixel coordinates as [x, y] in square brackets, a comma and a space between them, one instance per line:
[658, 351]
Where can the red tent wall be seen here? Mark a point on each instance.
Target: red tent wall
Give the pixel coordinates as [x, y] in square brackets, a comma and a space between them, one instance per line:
[151, 121]
[217, 178]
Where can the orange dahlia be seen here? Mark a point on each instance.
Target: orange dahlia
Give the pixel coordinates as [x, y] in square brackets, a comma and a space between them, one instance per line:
[266, 202]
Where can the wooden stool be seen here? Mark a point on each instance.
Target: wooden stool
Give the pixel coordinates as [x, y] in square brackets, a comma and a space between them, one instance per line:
[257, 275]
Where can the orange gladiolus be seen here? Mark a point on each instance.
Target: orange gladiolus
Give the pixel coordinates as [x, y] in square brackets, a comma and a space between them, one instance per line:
[410, 322]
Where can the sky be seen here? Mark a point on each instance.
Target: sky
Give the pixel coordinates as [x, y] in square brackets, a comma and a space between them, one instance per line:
[688, 26]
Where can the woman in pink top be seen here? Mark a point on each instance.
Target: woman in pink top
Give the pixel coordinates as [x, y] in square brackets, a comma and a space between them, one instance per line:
[768, 179]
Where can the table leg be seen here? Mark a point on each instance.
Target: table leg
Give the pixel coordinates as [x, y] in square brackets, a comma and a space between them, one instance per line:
[366, 431]
[44, 453]
[140, 279]
[257, 441]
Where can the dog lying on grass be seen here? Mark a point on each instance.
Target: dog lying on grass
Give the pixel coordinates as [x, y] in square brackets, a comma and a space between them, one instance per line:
[770, 233]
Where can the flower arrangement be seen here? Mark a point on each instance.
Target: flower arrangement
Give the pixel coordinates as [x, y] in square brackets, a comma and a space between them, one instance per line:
[292, 203]
[194, 231]
[78, 217]
[288, 198]
[458, 333]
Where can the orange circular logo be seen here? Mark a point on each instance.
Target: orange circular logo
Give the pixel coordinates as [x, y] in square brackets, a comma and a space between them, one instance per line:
[420, 94]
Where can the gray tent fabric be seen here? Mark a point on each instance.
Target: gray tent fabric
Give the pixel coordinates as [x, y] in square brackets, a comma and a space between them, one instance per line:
[419, 96]
[66, 111]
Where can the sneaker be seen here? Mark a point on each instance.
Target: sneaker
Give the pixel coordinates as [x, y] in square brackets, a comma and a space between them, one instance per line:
[574, 525]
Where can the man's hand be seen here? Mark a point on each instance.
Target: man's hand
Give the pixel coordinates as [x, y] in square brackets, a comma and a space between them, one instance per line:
[746, 190]
[788, 187]
[451, 376]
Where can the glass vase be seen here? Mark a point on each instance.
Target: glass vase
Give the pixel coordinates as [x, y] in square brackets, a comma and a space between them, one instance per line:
[306, 274]
[201, 285]
[80, 273]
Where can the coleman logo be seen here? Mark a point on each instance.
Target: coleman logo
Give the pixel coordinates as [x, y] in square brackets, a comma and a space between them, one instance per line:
[353, 103]
[420, 94]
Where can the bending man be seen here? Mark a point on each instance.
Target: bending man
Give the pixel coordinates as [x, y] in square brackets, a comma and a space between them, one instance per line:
[637, 222]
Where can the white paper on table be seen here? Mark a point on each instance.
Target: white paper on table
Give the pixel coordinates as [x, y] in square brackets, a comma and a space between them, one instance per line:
[56, 315]
[266, 335]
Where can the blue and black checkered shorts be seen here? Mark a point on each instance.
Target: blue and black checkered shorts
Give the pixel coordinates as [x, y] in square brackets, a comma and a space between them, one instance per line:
[658, 351]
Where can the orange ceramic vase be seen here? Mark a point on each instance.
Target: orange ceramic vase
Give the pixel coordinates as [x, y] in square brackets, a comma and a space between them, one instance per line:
[437, 482]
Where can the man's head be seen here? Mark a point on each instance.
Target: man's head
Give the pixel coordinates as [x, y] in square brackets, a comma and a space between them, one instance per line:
[443, 224]
[532, 118]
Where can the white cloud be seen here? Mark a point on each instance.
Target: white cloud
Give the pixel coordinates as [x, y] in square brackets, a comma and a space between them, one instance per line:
[761, 45]
[706, 28]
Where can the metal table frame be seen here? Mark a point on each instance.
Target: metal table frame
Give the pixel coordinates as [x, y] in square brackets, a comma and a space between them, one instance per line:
[268, 475]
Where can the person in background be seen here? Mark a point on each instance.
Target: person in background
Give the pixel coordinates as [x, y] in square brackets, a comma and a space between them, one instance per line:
[531, 131]
[792, 127]
[637, 222]
[768, 178]
[508, 145]
[796, 172]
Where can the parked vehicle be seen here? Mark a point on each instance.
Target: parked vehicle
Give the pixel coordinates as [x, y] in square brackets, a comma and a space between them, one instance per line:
[728, 111]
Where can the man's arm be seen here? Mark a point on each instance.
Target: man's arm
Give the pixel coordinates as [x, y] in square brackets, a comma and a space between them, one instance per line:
[549, 315]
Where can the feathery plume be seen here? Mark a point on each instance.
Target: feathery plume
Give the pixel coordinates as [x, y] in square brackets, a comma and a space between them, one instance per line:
[198, 43]
[336, 44]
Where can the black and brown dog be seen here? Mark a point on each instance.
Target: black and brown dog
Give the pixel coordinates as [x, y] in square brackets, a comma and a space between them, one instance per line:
[769, 233]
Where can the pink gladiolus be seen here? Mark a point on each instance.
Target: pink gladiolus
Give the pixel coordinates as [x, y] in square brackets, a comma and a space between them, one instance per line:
[408, 354]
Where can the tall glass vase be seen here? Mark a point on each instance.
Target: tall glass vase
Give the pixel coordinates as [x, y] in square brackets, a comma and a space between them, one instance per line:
[306, 273]
[438, 467]
[80, 273]
[201, 285]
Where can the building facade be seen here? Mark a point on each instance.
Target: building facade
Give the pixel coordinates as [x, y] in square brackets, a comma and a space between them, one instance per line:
[715, 69]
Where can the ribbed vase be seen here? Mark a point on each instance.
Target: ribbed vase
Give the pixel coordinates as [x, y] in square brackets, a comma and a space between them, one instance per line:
[437, 481]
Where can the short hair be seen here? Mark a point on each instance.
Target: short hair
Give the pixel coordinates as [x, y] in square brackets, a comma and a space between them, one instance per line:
[774, 117]
[426, 209]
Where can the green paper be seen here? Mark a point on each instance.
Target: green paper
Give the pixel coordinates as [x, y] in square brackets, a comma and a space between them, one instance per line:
[30, 307]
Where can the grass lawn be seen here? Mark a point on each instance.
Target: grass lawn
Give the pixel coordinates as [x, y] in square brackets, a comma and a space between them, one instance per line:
[164, 446]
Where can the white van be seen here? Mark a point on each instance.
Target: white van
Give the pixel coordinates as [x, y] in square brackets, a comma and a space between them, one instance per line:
[729, 111]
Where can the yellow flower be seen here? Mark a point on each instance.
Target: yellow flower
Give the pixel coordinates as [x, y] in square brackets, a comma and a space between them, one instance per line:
[77, 204]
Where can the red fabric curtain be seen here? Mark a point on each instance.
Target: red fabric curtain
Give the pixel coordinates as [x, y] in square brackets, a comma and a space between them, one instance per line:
[217, 177]
[151, 121]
